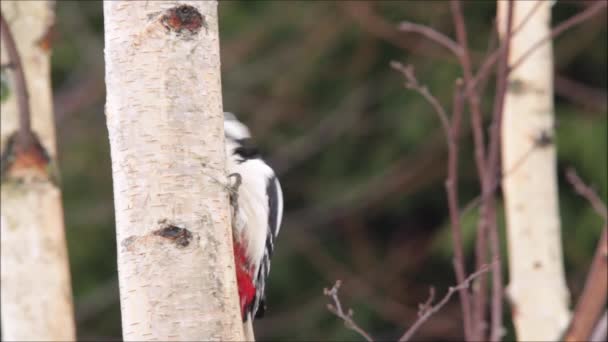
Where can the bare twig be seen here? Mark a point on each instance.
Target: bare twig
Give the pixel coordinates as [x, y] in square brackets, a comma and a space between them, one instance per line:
[588, 193]
[496, 328]
[594, 294]
[433, 35]
[451, 186]
[385, 303]
[412, 83]
[336, 309]
[471, 93]
[479, 292]
[23, 102]
[452, 132]
[582, 95]
[427, 310]
[561, 28]
[426, 306]
[501, 88]
[364, 14]
[593, 298]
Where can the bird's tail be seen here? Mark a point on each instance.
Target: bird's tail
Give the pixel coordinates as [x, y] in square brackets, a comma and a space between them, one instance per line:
[248, 328]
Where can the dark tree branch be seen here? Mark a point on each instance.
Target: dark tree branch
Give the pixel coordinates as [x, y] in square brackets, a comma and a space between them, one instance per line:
[582, 95]
[479, 292]
[364, 14]
[452, 132]
[493, 165]
[347, 317]
[412, 83]
[453, 204]
[23, 99]
[471, 92]
[593, 298]
[433, 35]
[23, 150]
[587, 192]
[426, 310]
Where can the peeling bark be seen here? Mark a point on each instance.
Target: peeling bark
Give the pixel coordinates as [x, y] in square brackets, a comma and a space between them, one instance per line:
[537, 289]
[35, 278]
[165, 122]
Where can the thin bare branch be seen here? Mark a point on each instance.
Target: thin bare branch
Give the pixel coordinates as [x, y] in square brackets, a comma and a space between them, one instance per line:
[424, 307]
[583, 95]
[23, 98]
[493, 167]
[433, 35]
[427, 310]
[412, 83]
[347, 317]
[451, 186]
[479, 293]
[588, 193]
[593, 298]
[363, 12]
[452, 132]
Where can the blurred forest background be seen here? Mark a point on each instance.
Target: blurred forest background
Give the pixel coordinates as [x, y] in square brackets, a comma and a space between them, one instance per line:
[361, 158]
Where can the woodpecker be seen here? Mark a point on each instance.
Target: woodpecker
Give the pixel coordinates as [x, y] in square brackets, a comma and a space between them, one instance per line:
[257, 205]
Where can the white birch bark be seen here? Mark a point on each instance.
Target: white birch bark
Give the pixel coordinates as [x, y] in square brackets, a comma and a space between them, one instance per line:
[35, 279]
[165, 122]
[537, 289]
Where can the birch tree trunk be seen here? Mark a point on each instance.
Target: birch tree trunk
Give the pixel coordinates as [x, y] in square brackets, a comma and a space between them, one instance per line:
[165, 122]
[36, 290]
[537, 289]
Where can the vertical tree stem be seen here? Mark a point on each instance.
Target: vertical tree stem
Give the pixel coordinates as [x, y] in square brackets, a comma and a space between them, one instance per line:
[165, 123]
[537, 288]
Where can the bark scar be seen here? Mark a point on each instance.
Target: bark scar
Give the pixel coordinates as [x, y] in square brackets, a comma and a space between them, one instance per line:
[45, 42]
[184, 19]
[544, 139]
[24, 158]
[180, 236]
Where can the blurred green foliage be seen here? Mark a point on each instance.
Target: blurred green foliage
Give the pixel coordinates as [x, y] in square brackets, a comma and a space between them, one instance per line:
[367, 205]
[4, 86]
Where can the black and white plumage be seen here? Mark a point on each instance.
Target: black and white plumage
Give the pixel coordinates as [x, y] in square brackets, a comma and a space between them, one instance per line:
[258, 217]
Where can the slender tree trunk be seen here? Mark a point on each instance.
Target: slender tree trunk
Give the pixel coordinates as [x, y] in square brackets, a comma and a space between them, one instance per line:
[537, 289]
[35, 278]
[165, 121]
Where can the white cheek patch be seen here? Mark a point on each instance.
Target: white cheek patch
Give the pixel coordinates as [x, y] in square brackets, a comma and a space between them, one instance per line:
[235, 130]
